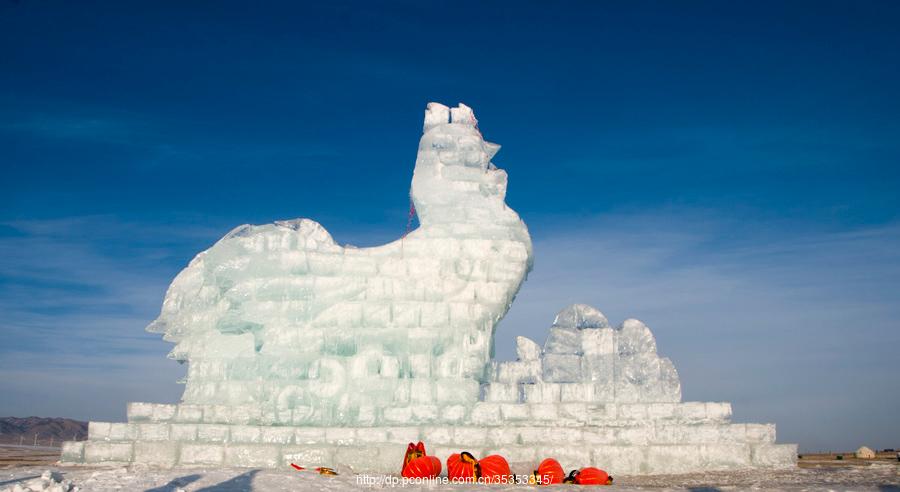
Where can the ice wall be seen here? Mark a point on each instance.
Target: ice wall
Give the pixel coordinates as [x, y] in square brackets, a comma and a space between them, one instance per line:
[280, 316]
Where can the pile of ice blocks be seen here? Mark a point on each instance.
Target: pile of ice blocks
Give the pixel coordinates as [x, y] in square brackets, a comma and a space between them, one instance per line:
[584, 359]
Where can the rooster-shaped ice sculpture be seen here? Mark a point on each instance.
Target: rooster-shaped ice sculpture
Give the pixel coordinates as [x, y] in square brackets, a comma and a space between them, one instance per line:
[280, 316]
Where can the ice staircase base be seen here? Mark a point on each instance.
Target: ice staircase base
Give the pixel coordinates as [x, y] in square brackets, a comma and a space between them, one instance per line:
[624, 439]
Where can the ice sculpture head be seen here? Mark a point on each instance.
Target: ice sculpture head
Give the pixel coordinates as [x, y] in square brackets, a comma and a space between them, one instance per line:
[453, 168]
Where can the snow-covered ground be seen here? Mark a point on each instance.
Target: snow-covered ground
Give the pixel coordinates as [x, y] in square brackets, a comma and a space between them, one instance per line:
[881, 476]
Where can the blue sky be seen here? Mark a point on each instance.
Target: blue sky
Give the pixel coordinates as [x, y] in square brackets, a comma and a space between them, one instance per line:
[725, 171]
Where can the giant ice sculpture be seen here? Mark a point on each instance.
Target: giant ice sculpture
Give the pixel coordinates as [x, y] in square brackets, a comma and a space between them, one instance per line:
[281, 317]
[301, 350]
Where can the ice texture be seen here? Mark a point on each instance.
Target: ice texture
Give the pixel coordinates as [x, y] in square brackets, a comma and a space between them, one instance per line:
[592, 362]
[580, 316]
[527, 349]
[281, 316]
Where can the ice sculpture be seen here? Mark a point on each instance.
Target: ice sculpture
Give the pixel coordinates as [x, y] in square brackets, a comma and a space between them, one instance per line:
[304, 351]
[282, 317]
[590, 361]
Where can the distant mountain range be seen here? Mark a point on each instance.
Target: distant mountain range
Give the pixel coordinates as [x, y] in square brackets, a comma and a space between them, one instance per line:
[48, 430]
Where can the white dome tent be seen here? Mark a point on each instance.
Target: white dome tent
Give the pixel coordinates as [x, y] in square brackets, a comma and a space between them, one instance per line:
[865, 453]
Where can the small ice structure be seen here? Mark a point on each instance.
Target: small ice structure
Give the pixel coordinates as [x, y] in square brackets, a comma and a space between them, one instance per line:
[590, 361]
[300, 350]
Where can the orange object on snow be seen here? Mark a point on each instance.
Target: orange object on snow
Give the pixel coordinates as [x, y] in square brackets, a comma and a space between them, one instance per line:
[589, 476]
[549, 472]
[461, 466]
[416, 464]
[490, 469]
[493, 469]
[323, 470]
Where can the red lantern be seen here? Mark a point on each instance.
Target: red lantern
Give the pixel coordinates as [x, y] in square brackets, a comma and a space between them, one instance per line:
[494, 469]
[417, 465]
[461, 466]
[592, 476]
[422, 467]
[549, 472]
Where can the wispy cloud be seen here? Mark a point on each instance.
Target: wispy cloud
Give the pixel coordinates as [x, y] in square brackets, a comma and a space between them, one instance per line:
[85, 125]
[75, 294]
[157, 141]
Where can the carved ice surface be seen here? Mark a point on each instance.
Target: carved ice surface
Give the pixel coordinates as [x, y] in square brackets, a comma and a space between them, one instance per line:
[611, 364]
[580, 316]
[281, 316]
